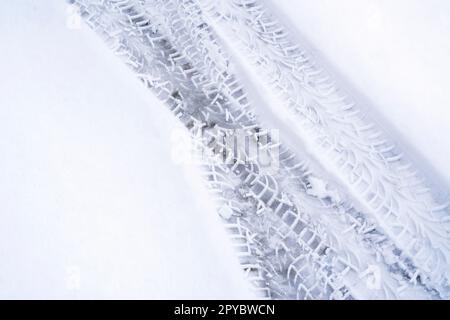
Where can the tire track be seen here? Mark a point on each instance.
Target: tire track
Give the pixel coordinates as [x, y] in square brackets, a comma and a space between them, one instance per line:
[292, 241]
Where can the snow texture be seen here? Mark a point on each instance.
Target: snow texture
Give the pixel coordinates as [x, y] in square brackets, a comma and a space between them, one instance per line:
[92, 205]
[321, 196]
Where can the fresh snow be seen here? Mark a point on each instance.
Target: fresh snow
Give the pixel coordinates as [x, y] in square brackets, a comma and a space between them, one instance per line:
[394, 56]
[96, 203]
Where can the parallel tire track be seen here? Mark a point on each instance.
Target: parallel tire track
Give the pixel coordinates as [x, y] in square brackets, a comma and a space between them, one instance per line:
[292, 241]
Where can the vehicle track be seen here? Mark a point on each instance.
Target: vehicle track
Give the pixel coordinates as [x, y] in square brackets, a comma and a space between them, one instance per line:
[292, 240]
[363, 157]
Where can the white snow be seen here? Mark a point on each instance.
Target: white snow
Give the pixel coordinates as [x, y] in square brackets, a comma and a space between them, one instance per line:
[396, 56]
[225, 212]
[317, 187]
[91, 203]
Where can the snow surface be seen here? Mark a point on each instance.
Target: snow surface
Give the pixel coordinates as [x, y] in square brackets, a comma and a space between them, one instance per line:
[92, 205]
[395, 57]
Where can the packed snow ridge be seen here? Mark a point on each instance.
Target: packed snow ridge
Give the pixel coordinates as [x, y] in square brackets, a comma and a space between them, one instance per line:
[344, 214]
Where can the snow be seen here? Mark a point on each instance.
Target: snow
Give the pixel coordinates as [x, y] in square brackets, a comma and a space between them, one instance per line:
[225, 212]
[394, 56]
[320, 188]
[92, 204]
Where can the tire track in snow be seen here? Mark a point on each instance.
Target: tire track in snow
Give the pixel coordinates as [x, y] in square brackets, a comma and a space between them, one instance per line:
[285, 252]
[363, 158]
[195, 39]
